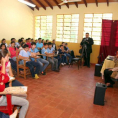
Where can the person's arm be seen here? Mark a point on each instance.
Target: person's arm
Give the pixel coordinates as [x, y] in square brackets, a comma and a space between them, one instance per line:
[115, 69]
[82, 42]
[10, 71]
[90, 42]
[21, 57]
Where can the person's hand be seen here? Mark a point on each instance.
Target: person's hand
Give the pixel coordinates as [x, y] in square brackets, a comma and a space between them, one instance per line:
[3, 60]
[110, 69]
[1, 83]
[87, 42]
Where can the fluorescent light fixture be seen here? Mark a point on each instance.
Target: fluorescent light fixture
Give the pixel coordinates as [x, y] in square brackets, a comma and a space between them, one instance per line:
[27, 3]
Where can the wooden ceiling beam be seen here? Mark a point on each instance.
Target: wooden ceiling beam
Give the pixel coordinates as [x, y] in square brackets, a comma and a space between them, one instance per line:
[31, 8]
[39, 2]
[76, 4]
[85, 3]
[57, 4]
[96, 2]
[107, 2]
[67, 5]
[49, 4]
[33, 3]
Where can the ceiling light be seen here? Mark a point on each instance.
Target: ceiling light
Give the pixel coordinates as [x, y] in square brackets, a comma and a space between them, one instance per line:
[27, 3]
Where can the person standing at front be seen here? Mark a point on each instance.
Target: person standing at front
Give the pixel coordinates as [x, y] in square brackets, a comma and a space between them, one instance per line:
[86, 44]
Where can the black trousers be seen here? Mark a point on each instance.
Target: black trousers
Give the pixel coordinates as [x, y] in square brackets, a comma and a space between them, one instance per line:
[87, 59]
[107, 76]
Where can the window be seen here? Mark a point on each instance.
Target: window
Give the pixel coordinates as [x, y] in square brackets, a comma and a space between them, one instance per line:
[93, 25]
[67, 28]
[43, 27]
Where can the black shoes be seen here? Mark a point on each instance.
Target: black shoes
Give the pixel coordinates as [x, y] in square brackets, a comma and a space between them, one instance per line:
[43, 73]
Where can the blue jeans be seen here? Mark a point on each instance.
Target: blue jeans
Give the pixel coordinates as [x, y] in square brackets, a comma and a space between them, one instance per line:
[63, 59]
[14, 83]
[41, 62]
[69, 56]
[59, 60]
[31, 65]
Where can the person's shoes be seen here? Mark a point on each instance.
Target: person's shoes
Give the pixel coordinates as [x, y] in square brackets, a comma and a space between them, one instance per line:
[110, 86]
[43, 73]
[56, 70]
[14, 114]
[62, 64]
[88, 66]
[36, 76]
[84, 65]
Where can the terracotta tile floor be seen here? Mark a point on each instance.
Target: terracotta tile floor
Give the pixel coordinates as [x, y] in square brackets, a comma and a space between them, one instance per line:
[69, 94]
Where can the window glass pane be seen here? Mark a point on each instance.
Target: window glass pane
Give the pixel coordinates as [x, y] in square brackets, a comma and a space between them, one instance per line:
[43, 27]
[67, 28]
[93, 25]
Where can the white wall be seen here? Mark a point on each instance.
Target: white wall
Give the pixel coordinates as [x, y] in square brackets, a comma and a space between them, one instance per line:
[82, 9]
[16, 20]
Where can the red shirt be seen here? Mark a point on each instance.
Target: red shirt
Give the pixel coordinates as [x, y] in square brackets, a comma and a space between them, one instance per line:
[12, 51]
[5, 80]
[29, 44]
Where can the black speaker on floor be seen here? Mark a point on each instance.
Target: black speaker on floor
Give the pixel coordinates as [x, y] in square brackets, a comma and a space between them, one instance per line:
[99, 94]
[98, 68]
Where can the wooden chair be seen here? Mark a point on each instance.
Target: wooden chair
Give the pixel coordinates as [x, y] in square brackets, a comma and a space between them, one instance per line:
[22, 66]
[9, 108]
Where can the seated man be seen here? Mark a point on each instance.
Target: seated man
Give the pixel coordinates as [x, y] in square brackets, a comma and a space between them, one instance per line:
[67, 54]
[53, 61]
[39, 45]
[25, 54]
[62, 55]
[51, 50]
[111, 73]
[39, 60]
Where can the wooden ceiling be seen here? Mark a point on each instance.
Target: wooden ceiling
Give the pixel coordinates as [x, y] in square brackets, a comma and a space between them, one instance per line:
[51, 3]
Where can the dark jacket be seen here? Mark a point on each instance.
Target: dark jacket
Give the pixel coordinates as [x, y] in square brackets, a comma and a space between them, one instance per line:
[89, 45]
[54, 45]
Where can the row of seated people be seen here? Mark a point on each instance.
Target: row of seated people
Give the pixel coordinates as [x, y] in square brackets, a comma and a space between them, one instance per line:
[23, 51]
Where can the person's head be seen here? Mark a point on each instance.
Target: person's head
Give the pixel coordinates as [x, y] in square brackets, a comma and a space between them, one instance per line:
[27, 40]
[12, 44]
[36, 41]
[66, 44]
[13, 39]
[47, 41]
[50, 45]
[39, 40]
[4, 55]
[26, 47]
[61, 46]
[33, 45]
[42, 41]
[53, 41]
[32, 40]
[20, 41]
[3, 46]
[3, 41]
[87, 35]
[63, 43]
[22, 44]
[46, 45]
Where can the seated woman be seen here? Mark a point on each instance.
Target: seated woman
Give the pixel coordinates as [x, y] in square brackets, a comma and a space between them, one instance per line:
[15, 100]
[8, 70]
[4, 41]
[111, 73]
[2, 115]
[13, 51]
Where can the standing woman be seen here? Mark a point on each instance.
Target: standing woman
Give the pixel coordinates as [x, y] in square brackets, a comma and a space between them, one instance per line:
[23, 103]
[4, 41]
